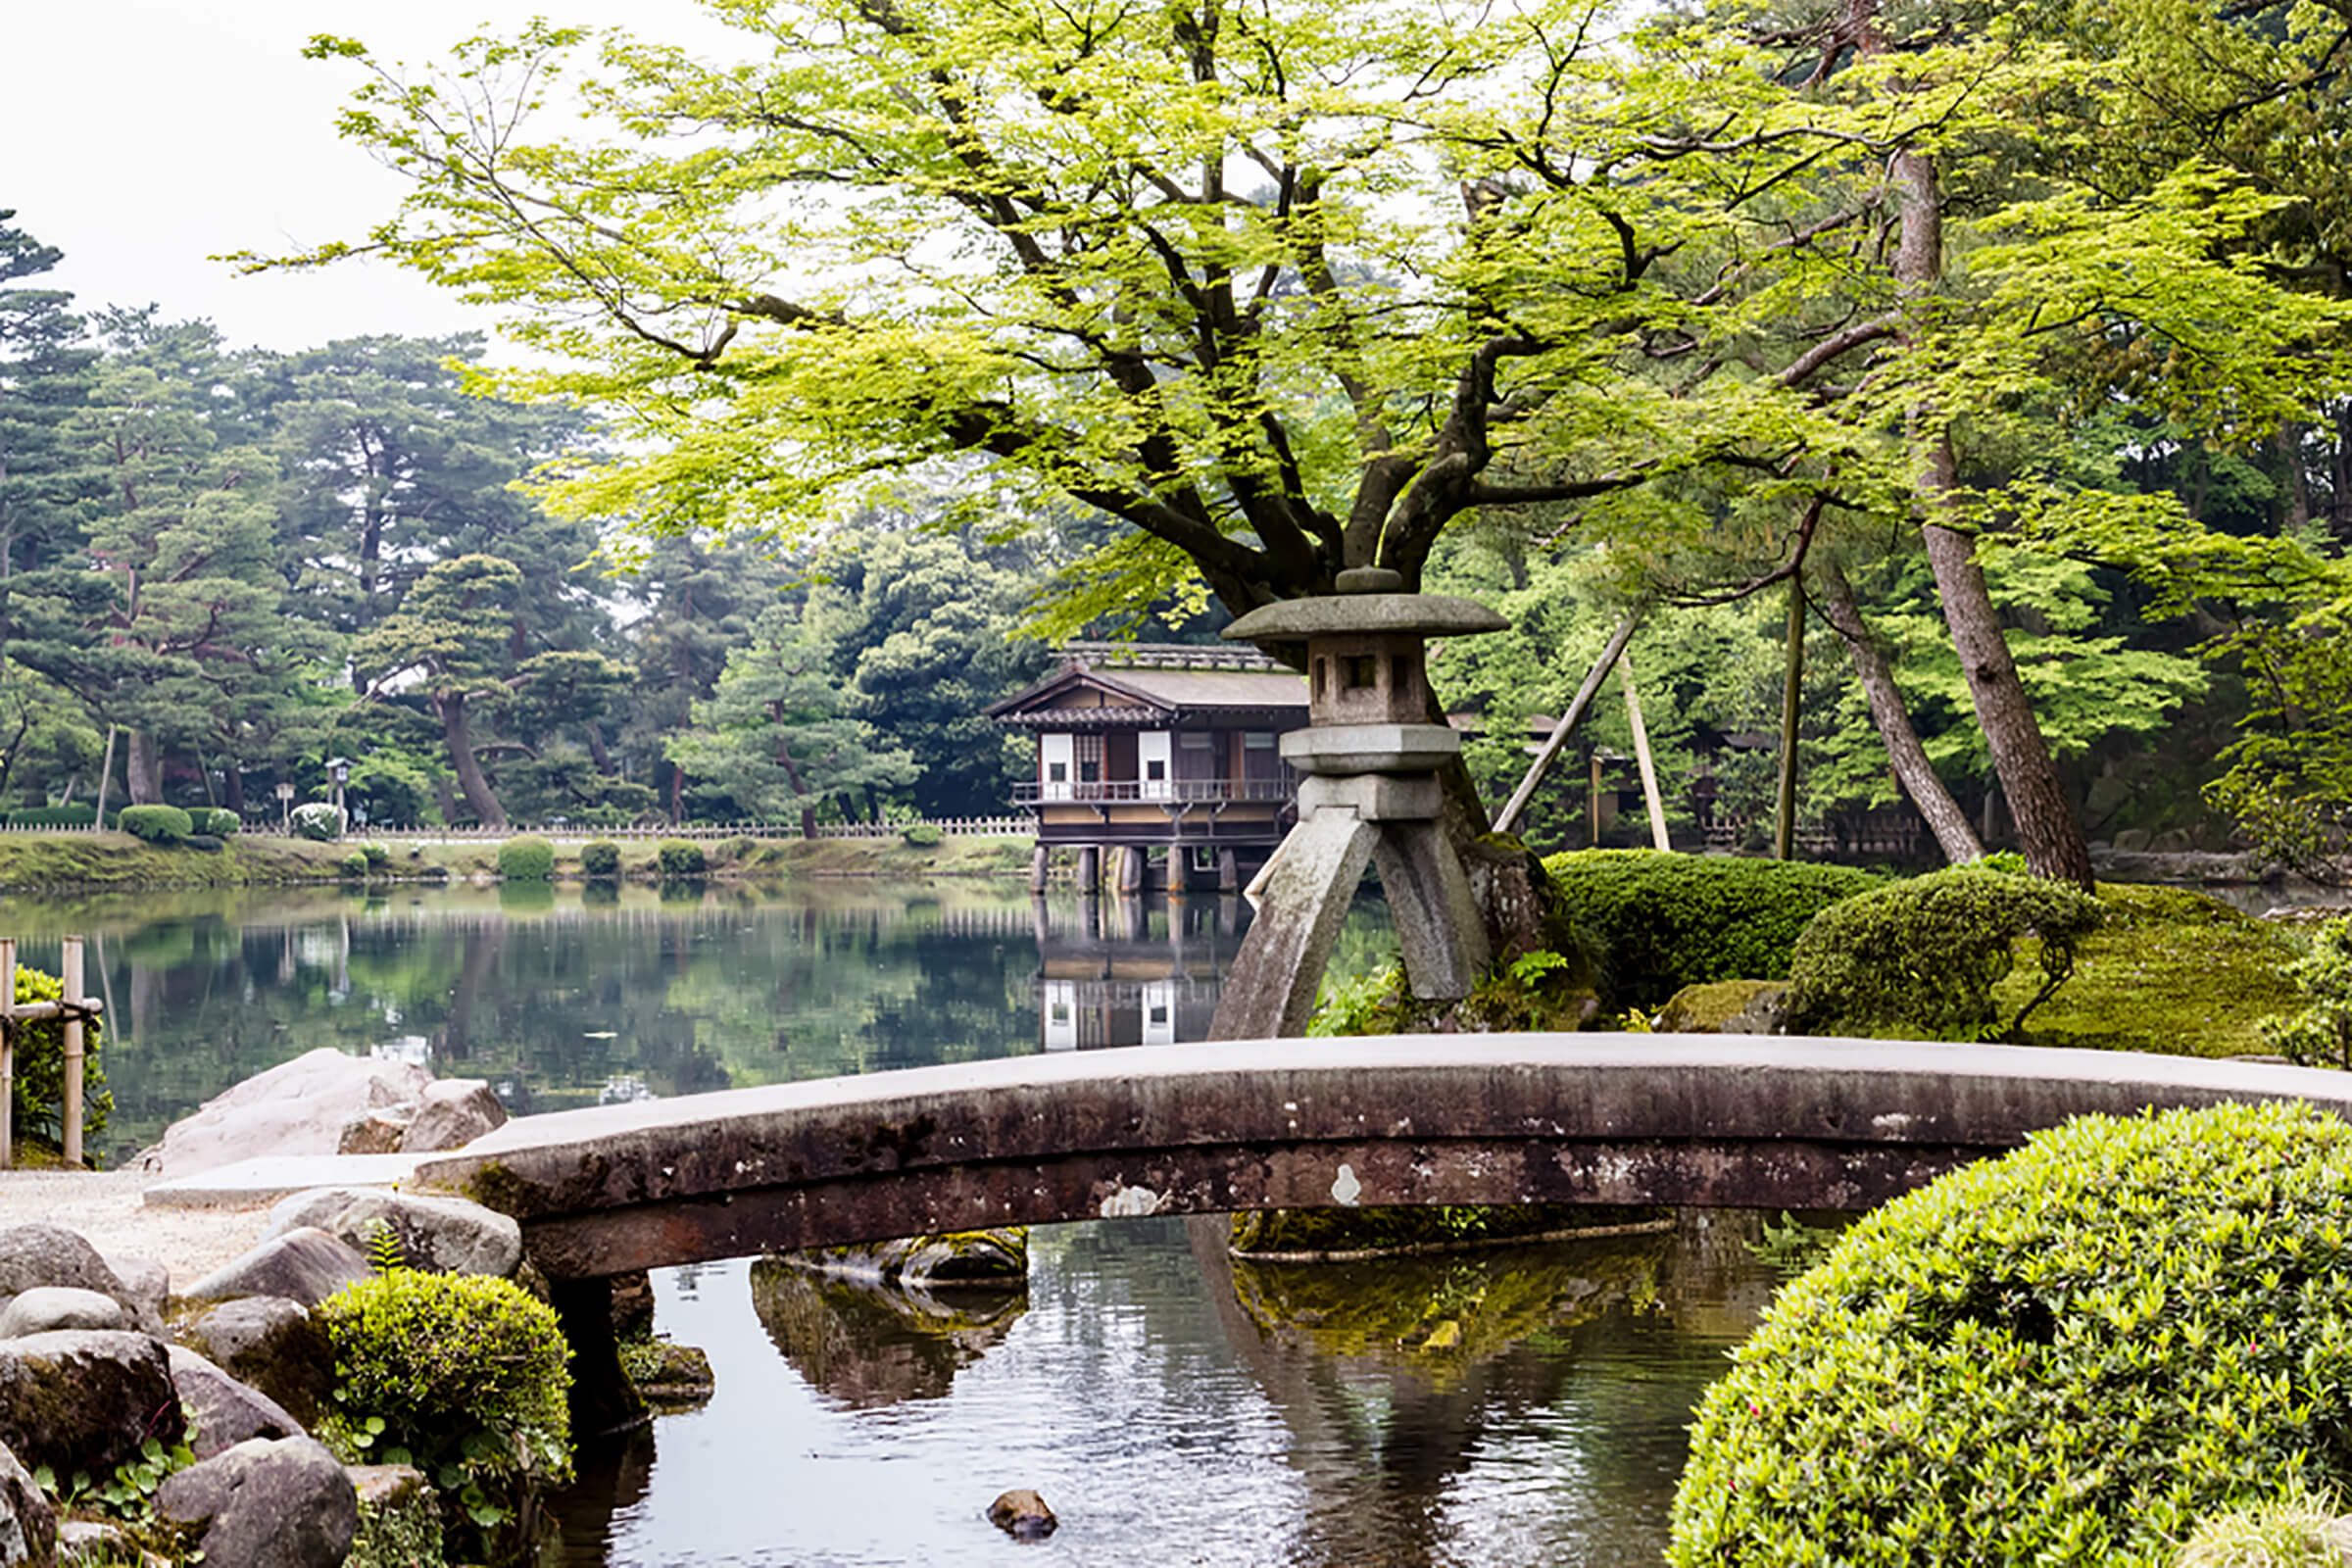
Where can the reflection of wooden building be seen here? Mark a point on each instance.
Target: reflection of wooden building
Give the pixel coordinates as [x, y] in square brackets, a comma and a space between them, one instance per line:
[1130, 975]
[1160, 752]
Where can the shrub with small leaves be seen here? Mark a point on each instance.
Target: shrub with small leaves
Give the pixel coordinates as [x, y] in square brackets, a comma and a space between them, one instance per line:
[2320, 1034]
[157, 824]
[218, 820]
[680, 857]
[2072, 1355]
[528, 859]
[53, 816]
[354, 867]
[922, 835]
[1920, 959]
[317, 821]
[461, 1375]
[379, 855]
[38, 1091]
[600, 857]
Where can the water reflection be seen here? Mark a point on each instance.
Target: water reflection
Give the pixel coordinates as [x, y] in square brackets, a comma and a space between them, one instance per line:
[869, 1344]
[1127, 972]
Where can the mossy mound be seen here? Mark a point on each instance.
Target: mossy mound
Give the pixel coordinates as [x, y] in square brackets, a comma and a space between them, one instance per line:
[664, 1375]
[1716, 1006]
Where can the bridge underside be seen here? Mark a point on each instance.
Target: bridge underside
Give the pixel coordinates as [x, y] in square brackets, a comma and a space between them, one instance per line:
[1696, 1120]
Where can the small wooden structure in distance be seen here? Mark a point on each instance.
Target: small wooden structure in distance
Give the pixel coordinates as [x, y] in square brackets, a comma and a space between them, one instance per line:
[1154, 750]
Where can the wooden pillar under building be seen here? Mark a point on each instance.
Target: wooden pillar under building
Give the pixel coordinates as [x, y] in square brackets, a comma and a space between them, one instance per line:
[1133, 870]
[1041, 865]
[69, 1116]
[1229, 872]
[1089, 871]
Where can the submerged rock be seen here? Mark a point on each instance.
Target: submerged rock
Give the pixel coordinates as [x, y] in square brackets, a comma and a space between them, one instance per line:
[974, 1258]
[227, 1412]
[297, 1108]
[265, 1504]
[85, 1400]
[667, 1374]
[440, 1235]
[269, 1343]
[306, 1265]
[1023, 1515]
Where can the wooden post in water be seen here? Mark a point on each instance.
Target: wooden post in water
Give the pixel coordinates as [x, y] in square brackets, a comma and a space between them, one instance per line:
[7, 1051]
[69, 1124]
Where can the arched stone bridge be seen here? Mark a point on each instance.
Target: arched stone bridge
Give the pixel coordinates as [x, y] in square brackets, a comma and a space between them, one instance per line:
[1691, 1119]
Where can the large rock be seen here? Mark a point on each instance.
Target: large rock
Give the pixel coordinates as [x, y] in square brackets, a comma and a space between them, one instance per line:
[379, 1132]
[451, 1114]
[27, 1522]
[146, 1286]
[306, 1265]
[85, 1400]
[33, 1256]
[297, 1108]
[445, 1235]
[269, 1343]
[46, 1307]
[226, 1411]
[265, 1504]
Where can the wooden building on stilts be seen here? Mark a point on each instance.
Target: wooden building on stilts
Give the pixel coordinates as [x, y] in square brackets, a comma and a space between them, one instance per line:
[1158, 764]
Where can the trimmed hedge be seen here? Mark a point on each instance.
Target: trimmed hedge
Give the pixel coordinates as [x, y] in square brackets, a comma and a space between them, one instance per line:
[1662, 921]
[157, 824]
[315, 821]
[528, 859]
[601, 857]
[53, 816]
[680, 857]
[218, 820]
[2071, 1354]
[1920, 959]
[922, 835]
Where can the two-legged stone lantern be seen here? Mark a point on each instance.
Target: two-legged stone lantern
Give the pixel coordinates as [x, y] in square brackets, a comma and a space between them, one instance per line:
[1371, 794]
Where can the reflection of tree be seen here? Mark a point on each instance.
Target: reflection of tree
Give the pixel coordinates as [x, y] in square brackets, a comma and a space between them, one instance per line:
[609, 1477]
[873, 1345]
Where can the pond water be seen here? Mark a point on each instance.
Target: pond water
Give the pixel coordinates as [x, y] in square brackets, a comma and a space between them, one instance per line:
[1488, 1408]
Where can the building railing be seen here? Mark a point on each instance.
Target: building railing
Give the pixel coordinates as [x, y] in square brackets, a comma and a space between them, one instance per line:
[1153, 791]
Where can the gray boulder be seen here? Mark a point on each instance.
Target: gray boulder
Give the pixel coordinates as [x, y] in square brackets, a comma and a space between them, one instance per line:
[264, 1503]
[226, 1411]
[452, 1113]
[27, 1521]
[35, 1255]
[59, 1306]
[146, 1286]
[297, 1108]
[444, 1235]
[269, 1343]
[306, 1265]
[85, 1399]
[379, 1132]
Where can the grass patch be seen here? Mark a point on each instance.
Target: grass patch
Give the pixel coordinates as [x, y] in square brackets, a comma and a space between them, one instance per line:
[2172, 971]
[117, 860]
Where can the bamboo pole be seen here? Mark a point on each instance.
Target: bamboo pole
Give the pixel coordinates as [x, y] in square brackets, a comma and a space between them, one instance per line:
[8, 1053]
[1508, 817]
[106, 775]
[1793, 696]
[70, 1116]
[1648, 765]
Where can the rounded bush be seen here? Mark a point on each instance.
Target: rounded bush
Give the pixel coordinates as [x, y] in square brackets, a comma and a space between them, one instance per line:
[315, 821]
[1920, 959]
[38, 1092]
[922, 835]
[378, 854]
[354, 865]
[680, 857]
[527, 859]
[601, 857]
[157, 824]
[1663, 921]
[218, 820]
[2071, 1354]
[462, 1375]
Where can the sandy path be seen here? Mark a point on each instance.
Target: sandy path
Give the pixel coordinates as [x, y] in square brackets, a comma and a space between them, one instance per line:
[105, 1207]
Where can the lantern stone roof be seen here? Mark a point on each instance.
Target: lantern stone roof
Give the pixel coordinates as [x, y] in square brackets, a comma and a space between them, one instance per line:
[1151, 685]
[1293, 620]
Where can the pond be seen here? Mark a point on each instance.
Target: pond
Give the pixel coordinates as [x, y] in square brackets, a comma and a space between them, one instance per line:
[1486, 1408]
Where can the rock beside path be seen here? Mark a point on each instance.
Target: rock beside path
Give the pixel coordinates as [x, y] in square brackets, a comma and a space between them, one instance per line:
[272, 1344]
[297, 1108]
[442, 1235]
[306, 1265]
[86, 1400]
[265, 1504]
[46, 1307]
[227, 1412]
[37, 1256]
[451, 1114]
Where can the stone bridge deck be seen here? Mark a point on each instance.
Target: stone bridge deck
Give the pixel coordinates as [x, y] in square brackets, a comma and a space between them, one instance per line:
[1689, 1119]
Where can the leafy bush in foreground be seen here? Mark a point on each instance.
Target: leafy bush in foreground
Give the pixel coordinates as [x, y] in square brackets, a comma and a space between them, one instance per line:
[38, 1092]
[1664, 922]
[2071, 1354]
[1920, 959]
[527, 859]
[2321, 1034]
[157, 824]
[680, 857]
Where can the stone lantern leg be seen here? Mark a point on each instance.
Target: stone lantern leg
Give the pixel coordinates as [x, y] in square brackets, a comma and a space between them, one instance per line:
[1371, 795]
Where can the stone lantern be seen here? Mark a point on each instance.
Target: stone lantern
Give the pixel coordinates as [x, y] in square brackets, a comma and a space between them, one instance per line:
[1371, 795]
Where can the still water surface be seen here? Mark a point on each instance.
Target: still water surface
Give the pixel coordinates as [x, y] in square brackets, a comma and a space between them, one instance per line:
[1483, 1409]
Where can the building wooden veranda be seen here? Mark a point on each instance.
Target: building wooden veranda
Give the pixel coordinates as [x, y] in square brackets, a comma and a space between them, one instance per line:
[1158, 761]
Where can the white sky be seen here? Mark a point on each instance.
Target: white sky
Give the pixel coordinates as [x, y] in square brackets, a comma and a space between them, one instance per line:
[142, 136]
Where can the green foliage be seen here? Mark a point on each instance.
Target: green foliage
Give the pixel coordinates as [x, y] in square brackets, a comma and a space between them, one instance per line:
[354, 865]
[2071, 1354]
[2320, 1034]
[38, 1091]
[462, 1375]
[1789, 1247]
[1920, 959]
[218, 820]
[53, 816]
[527, 859]
[377, 854]
[157, 824]
[921, 835]
[386, 1254]
[599, 858]
[1665, 921]
[680, 857]
[129, 1494]
[2299, 1528]
[315, 821]
[405, 1533]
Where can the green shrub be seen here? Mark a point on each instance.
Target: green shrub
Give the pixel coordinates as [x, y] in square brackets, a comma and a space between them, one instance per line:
[1663, 921]
[354, 865]
[218, 820]
[528, 859]
[38, 1093]
[922, 835]
[2320, 1034]
[1920, 959]
[157, 824]
[317, 821]
[53, 816]
[2298, 1529]
[680, 857]
[461, 1375]
[380, 855]
[601, 857]
[2072, 1355]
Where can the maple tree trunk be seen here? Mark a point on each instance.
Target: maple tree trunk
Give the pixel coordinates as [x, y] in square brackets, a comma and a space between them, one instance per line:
[1912, 770]
[471, 779]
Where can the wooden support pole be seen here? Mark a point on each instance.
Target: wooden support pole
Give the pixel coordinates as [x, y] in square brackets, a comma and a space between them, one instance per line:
[7, 1051]
[1592, 800]
[1649, 767]
[70, 1116]
[1507, 819]
[1793, 696]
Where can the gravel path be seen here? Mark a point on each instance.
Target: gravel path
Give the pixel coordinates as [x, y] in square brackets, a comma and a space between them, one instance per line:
[105, 1207]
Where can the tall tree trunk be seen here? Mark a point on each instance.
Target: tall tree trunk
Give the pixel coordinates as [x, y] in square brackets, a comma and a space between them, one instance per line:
[1912, 770]
[598, 752]
[2047, 828]
[143, 768]
[479, 796]
[232, 781]
[678, 795]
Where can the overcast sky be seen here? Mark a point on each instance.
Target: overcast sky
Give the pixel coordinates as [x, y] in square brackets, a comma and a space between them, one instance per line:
[142, 136]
